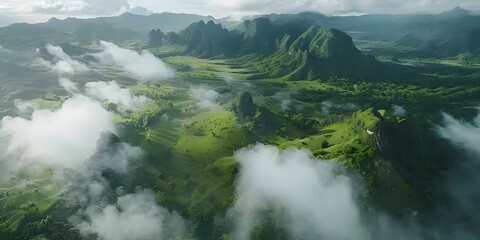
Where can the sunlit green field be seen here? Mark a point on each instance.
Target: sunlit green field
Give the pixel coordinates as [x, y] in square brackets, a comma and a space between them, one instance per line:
[188, 151]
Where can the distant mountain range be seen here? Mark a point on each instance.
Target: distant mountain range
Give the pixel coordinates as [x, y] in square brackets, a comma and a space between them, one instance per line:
[292, 50]
[447, 34]
[125, 27]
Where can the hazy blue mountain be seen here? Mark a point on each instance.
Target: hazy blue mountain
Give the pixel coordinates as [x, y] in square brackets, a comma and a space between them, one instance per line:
[447, 33]
[261, 35]
[125, 27]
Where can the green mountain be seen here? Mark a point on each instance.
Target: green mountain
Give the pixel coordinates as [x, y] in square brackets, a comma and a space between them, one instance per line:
[155, 38]
[289, 50]
[207, 39]
[444, 34]
[262, 36]
[259, 36]
[318, 53]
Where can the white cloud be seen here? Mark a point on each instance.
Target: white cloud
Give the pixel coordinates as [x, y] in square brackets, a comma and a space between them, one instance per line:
[56, 6]
[68, 85]
[62, 138]
[206, 99]
[78, 137]
[62, 63]
[464, 135]
[309, 198]
[316, 199]
[334, 7]
[143, 66]
[38, 10]
[112, 92]
[89, 7]
[463, 179]
[134, 216]
[140, 11]
[100, 173]
[25, 107]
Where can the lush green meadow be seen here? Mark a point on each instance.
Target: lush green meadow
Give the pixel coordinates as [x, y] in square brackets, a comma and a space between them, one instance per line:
[188, 150]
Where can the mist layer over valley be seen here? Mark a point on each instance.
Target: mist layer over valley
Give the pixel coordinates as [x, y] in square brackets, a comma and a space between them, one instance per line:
[283, 126]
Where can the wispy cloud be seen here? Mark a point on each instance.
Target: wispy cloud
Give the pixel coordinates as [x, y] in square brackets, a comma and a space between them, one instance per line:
[330, 107]
[143, 66]
[62, 63]
[206, 98]
[462, 222]
[134, 216]
[68, 85]
[113, 93]
[25, 107]
[463, 134]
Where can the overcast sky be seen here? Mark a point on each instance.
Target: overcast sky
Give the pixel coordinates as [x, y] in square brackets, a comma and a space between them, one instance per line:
[41, 10]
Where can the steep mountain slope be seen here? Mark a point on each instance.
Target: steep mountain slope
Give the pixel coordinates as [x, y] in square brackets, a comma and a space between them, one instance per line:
[318, 54]
[259, 36]
[262, 36]
[445, 34]
[288, 50]
[208, 40]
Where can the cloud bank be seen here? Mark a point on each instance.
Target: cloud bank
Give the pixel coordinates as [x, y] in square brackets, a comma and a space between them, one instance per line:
[340, 7]
[143, 66]
[316, 200]
[38, 10]
[462, 220]
[462, 134]
[113, 93]
[310, 199]
[61, 138]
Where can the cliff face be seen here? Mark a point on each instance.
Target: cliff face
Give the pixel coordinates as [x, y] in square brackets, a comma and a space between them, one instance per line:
[291, 50]
[243, 105]
[319, 53]
[155, 38]
[208, 40]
